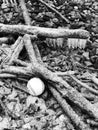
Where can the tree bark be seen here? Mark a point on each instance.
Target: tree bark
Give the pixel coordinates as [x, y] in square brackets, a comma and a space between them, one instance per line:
[42, 31]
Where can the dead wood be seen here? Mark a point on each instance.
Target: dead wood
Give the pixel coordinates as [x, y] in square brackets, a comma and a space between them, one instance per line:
[21, 63]
[25, 12]
[4, 40]
[17, 42]
[16, 70]
[28, 22]
[71, 93]
[69, 111]
[84, 85]
[16, 52]
[7, 111]
[6, 75]
[42, 31]
[37, 53]
[39, 69]
[13, 47]
[55, 11]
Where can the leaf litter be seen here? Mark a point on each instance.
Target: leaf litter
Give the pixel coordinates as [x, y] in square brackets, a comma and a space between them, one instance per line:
[41, 113]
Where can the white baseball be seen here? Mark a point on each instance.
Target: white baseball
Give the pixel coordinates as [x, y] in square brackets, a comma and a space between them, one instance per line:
[35, 86]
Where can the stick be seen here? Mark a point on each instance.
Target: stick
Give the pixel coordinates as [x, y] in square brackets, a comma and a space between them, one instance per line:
[20, 62]
[69, 111]
[29, 48]
[17, 70]
[71, 93]
[25, 12]
[9, 55]
[42, 31]
[28, 22]
[16, 52]
[37, 53]
[16, 43]
[55, 11]
[84, 85]
[13, 76]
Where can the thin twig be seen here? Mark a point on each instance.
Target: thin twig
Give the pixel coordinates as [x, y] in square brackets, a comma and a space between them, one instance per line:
[54, 10]
[20, 62]
[84, 85]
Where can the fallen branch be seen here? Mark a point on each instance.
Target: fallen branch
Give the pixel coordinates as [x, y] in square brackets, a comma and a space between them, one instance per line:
[17, 42]
[54, 10]
[37, 53]
[71, 93]
[69, 111]
[28, 22]
[42, 31]
[25, 12]
[16, 52]
[84, 85]
[21, 63]
[16, 70]
[13, 76]
[13, 47]
[4, 40]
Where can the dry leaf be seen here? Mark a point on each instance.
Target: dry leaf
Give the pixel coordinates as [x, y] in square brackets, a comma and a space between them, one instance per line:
[4, 124]
[12, 95]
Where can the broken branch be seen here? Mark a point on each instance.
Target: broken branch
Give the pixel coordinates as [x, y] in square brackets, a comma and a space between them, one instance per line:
[69, 111]
[55, 11]
[71, 93]
[42, 31]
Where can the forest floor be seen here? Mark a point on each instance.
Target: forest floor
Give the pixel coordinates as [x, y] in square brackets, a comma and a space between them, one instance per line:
[18, 109]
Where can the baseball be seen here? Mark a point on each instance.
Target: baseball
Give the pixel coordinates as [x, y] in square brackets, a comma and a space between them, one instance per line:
[35, 86]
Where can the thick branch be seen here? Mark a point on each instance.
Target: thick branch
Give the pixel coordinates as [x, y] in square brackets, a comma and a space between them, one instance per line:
[69, 111]
[42, 31]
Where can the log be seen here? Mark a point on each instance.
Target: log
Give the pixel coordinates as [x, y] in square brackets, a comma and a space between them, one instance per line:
[45, 32]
